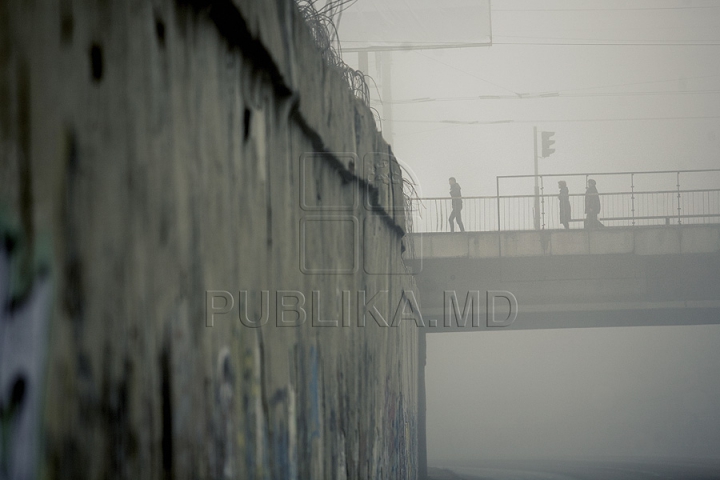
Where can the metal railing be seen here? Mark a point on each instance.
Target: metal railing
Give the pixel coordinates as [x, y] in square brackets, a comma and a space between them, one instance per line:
[431, 214]
[624, 208]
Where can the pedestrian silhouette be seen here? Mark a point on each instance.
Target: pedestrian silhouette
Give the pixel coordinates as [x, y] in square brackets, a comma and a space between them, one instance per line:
[564, 204]
[592, 206]
[456, 205]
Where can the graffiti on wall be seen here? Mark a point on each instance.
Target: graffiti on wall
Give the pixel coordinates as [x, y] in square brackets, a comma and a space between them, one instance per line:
[25, 297]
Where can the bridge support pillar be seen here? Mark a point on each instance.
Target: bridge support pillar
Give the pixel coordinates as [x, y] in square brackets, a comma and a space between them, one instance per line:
[422, 410]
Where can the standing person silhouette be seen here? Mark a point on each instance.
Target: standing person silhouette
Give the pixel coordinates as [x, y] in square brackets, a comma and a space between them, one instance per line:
[456, 205]
[564, 197]
[592, 206]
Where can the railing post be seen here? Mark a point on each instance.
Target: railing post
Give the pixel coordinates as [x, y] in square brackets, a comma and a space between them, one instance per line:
[536, 210]
[497, 192]
[678, 197]
[542, 201]
[632, 197]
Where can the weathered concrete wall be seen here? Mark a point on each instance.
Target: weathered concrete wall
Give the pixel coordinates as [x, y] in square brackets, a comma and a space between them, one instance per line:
[152, 152]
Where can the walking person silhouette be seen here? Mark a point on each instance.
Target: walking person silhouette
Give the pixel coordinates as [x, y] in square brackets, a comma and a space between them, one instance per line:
[592, 206]
[564, 197]
[456, 205]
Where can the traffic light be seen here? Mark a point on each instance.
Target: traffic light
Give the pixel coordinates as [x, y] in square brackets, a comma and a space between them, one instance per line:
[547, 143]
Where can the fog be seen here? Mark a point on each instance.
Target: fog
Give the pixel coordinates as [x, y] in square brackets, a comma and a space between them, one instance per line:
[631, 391]
[650, 102]
[625, 86]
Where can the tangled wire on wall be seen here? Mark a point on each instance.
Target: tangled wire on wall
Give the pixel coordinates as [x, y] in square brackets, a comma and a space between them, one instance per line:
[323, 23]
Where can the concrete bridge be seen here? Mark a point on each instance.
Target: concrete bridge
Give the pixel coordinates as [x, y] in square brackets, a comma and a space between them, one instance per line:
[576, 278]
[624, 276]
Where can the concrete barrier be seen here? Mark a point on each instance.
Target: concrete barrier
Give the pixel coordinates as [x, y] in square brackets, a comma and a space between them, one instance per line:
[167, 162]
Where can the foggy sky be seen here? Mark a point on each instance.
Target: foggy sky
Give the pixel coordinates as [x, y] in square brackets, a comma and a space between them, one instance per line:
[618, 391]
[595, 131]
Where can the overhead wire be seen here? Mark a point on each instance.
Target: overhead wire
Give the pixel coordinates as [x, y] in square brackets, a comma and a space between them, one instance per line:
[632, 84]
[576, 120]
[467, 73]
[612, 44]
[545, 95]
[690, 7]
[601, 42]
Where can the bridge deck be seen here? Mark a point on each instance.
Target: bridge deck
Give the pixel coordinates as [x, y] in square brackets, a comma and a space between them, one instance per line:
[626, 276]
[650, 240]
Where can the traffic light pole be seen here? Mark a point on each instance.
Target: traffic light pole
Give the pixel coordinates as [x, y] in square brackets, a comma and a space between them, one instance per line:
[536, 212]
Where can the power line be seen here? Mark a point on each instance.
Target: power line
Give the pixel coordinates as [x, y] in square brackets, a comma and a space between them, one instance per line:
[699, 77]
[566, 93]
[577, 120]
[519, 95]
[639, 94]
[601, 40]
[535, 96]
[612, 44]
[467, 73]
[404, 46]
[603, 43]
[423, 131]
[601, 9]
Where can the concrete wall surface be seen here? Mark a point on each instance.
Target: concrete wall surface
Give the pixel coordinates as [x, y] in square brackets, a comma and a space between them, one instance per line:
[201, 267]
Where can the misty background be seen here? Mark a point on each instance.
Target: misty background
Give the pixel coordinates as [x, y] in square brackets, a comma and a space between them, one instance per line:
[626, 86]
[631, 391]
